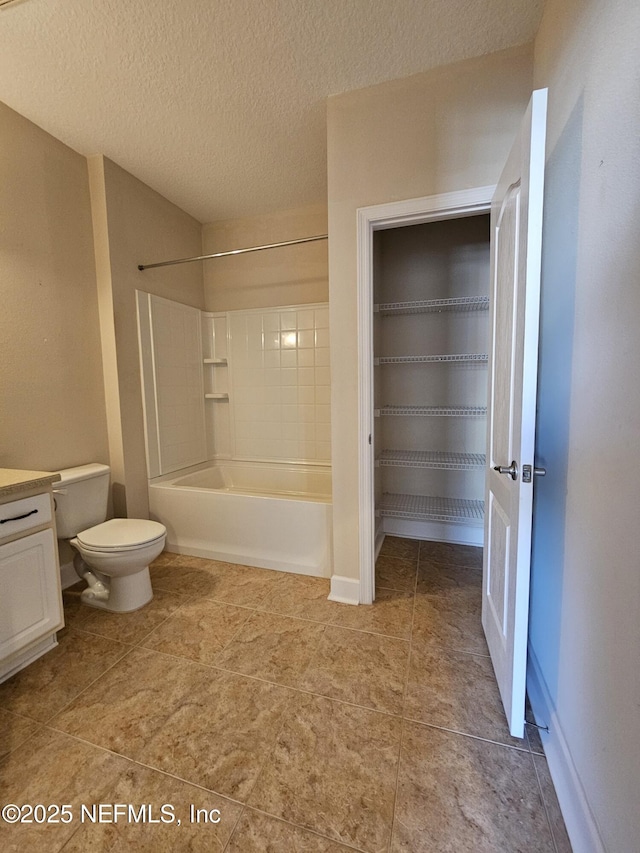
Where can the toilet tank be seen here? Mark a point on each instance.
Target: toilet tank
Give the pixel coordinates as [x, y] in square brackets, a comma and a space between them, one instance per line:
[81, 498]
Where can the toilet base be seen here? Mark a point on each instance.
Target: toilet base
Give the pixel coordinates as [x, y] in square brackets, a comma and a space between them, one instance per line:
[126, 593]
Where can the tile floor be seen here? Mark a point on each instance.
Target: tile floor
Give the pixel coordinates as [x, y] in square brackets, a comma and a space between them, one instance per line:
[309, 725]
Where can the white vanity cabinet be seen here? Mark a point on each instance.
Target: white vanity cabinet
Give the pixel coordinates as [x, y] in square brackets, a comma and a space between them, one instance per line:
[30, 593]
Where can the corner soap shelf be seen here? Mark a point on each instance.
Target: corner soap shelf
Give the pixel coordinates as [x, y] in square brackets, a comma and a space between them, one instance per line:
[216, 395]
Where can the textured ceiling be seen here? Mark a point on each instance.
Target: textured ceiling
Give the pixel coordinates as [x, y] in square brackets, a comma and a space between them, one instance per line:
[220, 104]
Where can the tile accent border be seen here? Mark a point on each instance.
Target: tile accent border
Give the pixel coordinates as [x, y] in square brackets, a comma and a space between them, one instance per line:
[344, 590]
[579, 820]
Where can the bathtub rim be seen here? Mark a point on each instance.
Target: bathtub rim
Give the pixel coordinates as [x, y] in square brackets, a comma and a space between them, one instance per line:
[168, 480]
[179, 509]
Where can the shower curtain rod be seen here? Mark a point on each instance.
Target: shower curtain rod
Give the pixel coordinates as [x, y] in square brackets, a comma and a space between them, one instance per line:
[233, 252]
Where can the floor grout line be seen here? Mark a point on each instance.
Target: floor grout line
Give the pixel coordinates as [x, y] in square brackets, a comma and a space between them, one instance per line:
[285, 720]
[235, 826]
[415, 722]
[84, 689]
[244, 804]
[188, 599]
[260, 609]
[139, 763]
[22, 741]
[300, 690]
[544, 802]
[404, 696]
[404, 700]
[306, 829]
[249, 616]
[288, 687]
[293, 699]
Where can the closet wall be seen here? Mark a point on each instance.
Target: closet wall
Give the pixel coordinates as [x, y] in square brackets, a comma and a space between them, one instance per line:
[430, 378]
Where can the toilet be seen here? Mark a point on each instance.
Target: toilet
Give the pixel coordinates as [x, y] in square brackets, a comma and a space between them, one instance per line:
[112, 556]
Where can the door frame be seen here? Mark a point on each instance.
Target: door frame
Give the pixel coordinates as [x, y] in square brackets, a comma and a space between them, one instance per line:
[454, 205]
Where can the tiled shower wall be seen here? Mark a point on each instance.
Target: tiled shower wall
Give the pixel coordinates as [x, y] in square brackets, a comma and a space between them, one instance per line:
[279, 392]
[253, 385]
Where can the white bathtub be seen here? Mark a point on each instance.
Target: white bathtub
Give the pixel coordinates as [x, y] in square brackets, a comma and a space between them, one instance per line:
[258, 514]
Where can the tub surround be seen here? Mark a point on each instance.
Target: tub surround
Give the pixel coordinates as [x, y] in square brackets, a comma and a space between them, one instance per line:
[237, 415]
[242, 385]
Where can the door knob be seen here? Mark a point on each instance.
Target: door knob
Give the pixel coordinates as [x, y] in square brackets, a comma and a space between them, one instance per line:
[512, 470]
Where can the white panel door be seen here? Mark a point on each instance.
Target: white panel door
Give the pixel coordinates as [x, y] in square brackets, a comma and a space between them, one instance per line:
[516, 240]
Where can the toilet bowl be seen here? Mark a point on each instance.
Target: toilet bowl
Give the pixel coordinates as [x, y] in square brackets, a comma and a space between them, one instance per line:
[113, 557]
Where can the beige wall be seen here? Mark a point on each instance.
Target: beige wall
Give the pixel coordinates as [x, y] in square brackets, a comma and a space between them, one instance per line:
[133, 224]
[585, 617]
[440, 131]
[291, 275]
[52, 407]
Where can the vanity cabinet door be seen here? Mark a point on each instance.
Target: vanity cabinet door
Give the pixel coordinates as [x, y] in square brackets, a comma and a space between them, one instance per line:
[30, 604]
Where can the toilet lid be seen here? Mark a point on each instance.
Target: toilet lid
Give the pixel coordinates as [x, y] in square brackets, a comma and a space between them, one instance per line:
[120, 534]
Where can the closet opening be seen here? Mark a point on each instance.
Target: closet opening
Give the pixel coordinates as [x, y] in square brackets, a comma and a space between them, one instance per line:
[425, 286]
[430, 347]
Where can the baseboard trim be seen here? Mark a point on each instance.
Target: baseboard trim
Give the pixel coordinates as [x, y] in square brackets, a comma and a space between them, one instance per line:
[345, 590]
[578, 817]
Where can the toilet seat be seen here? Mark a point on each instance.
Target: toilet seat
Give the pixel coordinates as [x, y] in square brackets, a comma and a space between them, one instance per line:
[121, 534]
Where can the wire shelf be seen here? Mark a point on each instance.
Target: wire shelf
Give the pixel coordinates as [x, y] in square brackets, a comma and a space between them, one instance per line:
[433, 359]
[433, 411]
[427, 306]
[429, 508]
[441, 459]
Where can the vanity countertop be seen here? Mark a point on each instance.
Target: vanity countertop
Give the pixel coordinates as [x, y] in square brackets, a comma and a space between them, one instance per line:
[13, 480]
